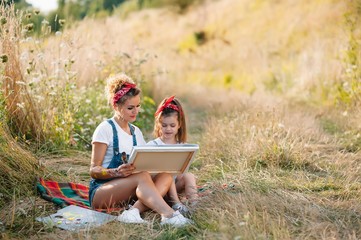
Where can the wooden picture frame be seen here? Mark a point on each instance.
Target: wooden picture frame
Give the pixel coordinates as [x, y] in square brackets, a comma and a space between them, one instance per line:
[174, 159]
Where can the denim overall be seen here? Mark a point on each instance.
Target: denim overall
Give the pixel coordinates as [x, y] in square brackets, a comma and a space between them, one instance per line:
[114, 163]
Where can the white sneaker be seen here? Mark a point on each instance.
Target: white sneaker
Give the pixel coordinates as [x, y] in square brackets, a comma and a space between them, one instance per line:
[177, 220]
[131, 216]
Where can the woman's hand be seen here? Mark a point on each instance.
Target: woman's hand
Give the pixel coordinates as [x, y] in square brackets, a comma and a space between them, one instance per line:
[124, 170]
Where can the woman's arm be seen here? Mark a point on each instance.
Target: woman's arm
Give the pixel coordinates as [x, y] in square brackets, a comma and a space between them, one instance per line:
[96, 169]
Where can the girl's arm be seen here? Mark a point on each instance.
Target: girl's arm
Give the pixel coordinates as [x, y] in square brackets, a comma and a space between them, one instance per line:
[96, 169]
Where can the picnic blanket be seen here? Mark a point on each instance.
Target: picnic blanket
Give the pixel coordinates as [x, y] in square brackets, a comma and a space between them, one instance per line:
[64, 193]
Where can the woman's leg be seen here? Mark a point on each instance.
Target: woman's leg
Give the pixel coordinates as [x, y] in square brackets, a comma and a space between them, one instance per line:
[141, 184]
[163, 182]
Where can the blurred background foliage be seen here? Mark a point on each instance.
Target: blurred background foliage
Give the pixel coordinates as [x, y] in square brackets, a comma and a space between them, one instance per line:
[69, 123]
[74, 11]
[43, 105]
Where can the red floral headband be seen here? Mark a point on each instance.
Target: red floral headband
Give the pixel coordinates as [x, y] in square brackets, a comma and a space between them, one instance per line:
[167, 104]
[125, 88]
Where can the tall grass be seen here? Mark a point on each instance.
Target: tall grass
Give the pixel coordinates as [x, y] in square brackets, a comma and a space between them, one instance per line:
[281, 48]
[21, 111]
[349, 87]
[47, 105]
[18, 169]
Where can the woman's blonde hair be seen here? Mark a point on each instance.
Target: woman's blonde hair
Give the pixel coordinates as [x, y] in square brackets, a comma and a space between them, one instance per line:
[115, 83]
[181, 136]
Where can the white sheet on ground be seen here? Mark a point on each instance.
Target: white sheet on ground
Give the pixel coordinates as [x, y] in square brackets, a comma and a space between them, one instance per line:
[75, 218]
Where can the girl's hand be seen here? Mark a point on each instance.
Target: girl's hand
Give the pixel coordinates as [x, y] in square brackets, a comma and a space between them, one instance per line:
[125, 170]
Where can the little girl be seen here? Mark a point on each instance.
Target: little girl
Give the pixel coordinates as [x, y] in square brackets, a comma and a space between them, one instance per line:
[170, 128]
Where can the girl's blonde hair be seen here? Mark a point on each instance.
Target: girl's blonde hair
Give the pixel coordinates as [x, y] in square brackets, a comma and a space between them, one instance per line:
[181, 136]
[115, 83]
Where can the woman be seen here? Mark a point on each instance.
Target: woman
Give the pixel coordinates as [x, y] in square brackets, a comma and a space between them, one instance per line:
[113, 181]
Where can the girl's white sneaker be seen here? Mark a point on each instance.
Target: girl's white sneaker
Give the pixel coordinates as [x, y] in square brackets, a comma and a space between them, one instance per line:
[131, 216]
[177, 220]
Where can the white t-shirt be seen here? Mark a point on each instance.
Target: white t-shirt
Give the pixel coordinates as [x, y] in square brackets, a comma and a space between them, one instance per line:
[104, 134]
[156, 141]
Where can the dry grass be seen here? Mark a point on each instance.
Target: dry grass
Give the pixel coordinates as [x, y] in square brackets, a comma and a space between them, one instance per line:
[295, 181]
[285, 46]
[18, 169]
[259, 93]
[20, 106]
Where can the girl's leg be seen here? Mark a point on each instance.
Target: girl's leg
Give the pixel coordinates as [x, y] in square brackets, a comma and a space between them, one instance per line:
[187, 183]
[172, 194]
[141, 184]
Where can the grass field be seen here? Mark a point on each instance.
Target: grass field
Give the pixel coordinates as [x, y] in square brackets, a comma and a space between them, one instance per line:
[272, 95]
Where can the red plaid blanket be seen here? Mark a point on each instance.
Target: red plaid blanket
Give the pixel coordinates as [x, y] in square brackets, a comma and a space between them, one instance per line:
[69, 193]
[64, 194]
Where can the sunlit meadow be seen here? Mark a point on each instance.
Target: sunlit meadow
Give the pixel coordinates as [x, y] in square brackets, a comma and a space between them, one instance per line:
[272, 95]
